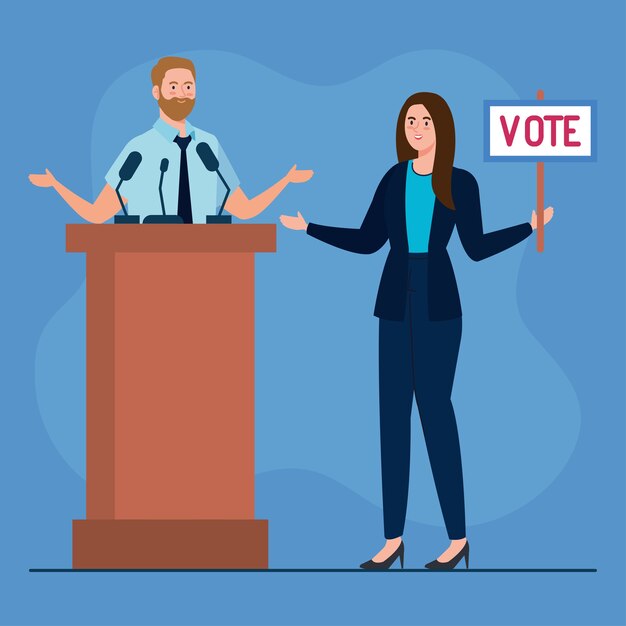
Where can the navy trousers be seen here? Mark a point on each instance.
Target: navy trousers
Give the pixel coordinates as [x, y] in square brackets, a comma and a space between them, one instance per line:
[417, 357]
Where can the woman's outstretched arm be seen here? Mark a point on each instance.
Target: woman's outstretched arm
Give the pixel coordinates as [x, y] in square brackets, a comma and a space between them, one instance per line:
[369, 238]
[469, 222]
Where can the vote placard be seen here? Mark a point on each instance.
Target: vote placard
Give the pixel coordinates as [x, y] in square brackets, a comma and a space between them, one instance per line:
[540, 130]
[531, 130]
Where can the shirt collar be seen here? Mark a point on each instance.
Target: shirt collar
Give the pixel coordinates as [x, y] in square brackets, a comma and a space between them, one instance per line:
[170, 133]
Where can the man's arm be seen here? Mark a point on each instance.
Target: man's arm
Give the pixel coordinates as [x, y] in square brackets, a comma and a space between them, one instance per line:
[239, 205]
[105, 206]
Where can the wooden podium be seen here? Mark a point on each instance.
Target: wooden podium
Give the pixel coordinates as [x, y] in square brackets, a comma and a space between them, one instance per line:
[170, 396]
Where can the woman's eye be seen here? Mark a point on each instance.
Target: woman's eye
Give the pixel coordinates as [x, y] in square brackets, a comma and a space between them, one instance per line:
[411, 122]
[426, 123]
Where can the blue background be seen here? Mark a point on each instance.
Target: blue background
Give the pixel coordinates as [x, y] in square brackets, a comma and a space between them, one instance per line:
[322, 502]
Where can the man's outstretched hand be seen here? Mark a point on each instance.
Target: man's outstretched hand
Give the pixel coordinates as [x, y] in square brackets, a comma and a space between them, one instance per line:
[42, 180]
[295, 175]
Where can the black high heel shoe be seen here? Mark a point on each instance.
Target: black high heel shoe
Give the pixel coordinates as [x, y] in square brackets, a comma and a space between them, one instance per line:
[387, 563]
[453, 562]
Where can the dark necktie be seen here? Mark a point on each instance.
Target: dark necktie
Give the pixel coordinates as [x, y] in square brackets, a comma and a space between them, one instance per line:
[184, 195]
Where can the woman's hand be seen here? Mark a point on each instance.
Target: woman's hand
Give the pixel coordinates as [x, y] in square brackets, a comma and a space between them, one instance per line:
[43, 180]
[294, 223]
[547, 216]
[295, 175]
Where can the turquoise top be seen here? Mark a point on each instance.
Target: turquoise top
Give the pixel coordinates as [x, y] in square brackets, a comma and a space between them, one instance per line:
[142, 190]
[420, 204]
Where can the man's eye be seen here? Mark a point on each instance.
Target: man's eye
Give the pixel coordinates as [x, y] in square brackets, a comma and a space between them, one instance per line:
[173, 87]
[188, 87]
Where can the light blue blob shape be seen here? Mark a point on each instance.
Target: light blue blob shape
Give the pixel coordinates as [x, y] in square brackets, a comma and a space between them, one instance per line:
[316, 341]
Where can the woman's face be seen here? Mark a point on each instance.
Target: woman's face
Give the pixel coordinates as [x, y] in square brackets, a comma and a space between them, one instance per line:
[419, 128]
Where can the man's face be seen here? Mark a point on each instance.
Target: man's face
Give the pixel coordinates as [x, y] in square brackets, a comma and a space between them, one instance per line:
[177, 94]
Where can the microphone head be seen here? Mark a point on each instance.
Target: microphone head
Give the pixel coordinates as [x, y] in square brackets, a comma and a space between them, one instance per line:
[207, 156]
[127, 171]
[164, 165]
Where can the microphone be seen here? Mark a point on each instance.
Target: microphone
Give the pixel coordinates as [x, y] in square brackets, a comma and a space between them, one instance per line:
[127, 171]
[164, 165]
[207, 156]
[164, 218]
[209, 160]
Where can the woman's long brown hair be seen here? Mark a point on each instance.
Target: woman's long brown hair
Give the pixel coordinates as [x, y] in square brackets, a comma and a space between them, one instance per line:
[445, 138]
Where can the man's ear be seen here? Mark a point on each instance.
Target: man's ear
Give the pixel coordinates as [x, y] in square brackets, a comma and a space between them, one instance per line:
[156, 92]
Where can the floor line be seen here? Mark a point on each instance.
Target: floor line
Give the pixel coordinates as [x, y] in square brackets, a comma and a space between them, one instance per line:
[316, 570]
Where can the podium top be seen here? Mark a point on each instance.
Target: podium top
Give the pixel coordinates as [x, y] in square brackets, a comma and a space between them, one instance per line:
[171, 237]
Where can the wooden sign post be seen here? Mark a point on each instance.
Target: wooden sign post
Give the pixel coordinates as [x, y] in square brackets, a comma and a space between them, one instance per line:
[540, 194]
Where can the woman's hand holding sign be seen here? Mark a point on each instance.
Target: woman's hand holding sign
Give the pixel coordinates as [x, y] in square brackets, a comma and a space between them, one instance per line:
[547, 216]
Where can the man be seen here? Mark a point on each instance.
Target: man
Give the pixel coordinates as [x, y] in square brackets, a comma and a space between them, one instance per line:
[189, 189]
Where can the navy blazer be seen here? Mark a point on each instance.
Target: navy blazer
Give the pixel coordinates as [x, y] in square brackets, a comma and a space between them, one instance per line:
[386, 220]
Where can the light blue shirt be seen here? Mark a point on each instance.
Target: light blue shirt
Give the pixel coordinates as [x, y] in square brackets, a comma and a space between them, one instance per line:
[142, 190]
[420, 204]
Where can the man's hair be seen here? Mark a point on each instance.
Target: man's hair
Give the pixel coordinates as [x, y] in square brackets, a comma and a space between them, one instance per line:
[170, 63]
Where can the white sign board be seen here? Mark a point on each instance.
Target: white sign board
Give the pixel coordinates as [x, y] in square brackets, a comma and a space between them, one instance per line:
[539, 130]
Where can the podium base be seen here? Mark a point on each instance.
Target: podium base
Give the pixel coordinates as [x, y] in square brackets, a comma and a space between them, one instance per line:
[169, 544]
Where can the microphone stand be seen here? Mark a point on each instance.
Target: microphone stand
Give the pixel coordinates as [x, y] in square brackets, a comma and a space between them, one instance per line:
[124, 219]
[164, 218]
[219, 218]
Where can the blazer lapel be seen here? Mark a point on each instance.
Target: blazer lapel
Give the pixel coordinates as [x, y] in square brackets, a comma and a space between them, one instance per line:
[399, 204]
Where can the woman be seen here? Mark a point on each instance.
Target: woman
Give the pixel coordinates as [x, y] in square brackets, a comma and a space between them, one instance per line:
[416, 206]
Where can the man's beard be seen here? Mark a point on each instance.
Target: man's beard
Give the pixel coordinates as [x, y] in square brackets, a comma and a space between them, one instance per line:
[175, 110]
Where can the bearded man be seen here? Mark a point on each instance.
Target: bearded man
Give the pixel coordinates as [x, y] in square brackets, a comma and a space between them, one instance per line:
[189, 189]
